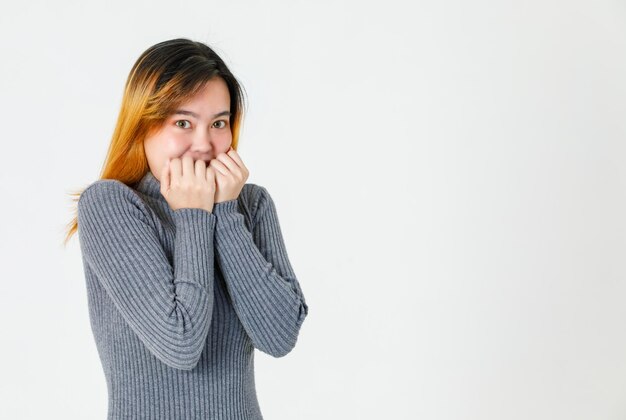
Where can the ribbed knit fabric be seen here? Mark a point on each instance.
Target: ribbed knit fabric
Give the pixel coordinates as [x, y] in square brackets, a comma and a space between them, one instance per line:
[178, 300]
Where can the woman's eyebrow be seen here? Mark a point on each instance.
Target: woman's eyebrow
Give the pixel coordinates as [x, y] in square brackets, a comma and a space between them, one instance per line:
[193, 114]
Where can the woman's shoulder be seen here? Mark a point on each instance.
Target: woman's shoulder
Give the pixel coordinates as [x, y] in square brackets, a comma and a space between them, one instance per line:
[111, 195]
[250, 190]
[252, 194]
[102, 188]
[253, 197]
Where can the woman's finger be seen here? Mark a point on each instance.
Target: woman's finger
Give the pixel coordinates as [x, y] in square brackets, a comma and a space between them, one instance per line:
[175, 171]
[219, 166]
[242, 166]
[165, 177]
[235, 156]
[188, 167]
[210, 175]
[228, 162]
[200, 167]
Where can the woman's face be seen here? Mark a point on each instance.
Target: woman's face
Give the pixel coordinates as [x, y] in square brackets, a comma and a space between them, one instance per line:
[199, 128]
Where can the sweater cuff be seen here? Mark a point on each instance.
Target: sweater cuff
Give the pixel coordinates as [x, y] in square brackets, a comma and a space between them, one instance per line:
[193, 247]
[225, 207]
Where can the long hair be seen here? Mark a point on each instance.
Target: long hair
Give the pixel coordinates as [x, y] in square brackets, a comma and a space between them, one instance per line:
[164, 76]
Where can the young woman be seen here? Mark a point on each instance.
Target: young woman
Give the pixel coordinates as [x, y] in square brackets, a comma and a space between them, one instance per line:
[186, 268]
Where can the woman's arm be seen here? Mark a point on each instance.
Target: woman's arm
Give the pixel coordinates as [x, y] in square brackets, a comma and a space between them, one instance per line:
[168, 307]
[263, 287]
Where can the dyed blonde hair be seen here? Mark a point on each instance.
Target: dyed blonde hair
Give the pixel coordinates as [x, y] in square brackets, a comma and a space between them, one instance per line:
[164, 76]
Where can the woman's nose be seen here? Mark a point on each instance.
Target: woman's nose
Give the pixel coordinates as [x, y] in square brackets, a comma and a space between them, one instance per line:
[203, 142]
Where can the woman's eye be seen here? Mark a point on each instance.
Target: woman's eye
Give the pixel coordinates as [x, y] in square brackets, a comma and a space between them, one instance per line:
[181, 121]
[222, 121]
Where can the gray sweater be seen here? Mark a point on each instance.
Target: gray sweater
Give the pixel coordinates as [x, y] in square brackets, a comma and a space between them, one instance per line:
[178, 300]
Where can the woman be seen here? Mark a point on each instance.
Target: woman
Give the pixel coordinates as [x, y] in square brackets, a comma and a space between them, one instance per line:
[186, 268]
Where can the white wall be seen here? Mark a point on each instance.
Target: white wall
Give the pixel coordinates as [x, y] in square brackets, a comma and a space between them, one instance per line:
[449, 176]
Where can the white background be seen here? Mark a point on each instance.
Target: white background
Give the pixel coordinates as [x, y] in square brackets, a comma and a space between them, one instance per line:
[450, 180]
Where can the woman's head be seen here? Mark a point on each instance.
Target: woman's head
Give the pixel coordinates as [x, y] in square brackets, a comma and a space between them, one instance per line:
[199, 127]
[174, 75]
[168, 77]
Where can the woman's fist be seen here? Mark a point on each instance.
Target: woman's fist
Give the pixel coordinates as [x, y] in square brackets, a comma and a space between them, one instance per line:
[230, 175]
[188, 184]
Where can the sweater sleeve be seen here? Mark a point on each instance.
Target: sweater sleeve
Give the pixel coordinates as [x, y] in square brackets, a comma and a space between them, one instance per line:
[169, 306]
[265, 292]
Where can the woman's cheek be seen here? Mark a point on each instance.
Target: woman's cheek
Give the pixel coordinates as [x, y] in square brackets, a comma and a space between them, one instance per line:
[226, 140]
[176, 146]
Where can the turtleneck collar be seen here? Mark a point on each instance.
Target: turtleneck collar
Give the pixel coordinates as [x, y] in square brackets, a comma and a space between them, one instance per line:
[150, 186]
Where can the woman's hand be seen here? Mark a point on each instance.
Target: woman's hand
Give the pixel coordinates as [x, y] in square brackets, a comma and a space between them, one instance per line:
[188, 184]
[230, 175]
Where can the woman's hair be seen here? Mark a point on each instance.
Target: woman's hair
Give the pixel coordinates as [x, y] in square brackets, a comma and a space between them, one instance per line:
[163, 77]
